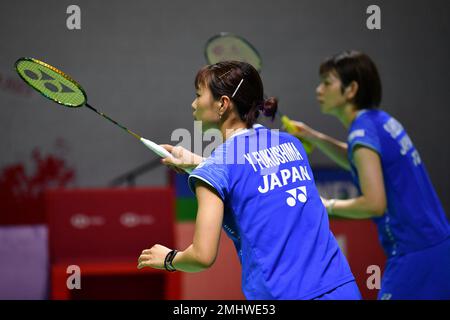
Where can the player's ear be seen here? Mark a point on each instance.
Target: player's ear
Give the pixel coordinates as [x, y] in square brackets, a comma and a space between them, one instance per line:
[351, 90]
[224, 104]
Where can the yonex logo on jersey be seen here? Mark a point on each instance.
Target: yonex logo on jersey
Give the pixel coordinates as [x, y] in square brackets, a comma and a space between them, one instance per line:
[296, 194]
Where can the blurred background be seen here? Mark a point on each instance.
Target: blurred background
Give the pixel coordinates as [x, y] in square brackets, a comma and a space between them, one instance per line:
[137, 61]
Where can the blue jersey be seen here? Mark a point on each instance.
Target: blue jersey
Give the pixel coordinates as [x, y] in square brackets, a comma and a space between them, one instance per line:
[423, 274]
[274, 215]
[414, 218]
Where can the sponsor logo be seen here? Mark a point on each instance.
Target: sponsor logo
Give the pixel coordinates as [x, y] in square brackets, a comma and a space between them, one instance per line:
[82, 221]
[296, 195]
[132, 220]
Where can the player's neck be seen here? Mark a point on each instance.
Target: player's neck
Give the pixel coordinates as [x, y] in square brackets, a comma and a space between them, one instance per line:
[230, 127]
[346, 114]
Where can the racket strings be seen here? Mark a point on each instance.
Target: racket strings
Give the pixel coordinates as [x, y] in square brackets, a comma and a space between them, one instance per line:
[51, 82]
[226, 46]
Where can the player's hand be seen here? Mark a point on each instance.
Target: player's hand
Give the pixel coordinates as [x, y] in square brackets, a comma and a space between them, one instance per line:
[324, 201]
[153, 257]
[300, 130]
[329, 205]
[181, 158]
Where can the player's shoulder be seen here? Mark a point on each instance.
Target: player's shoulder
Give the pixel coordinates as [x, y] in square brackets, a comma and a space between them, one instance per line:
[262, 135]
[369, 120]
[375, 116]
[365, 125]
[260, 132]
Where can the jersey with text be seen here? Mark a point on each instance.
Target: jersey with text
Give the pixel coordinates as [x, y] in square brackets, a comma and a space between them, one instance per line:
[414, 218]
[274, 215]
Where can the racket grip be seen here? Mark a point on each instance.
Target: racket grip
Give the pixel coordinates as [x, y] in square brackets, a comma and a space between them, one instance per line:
[160, 151]
[290, 128]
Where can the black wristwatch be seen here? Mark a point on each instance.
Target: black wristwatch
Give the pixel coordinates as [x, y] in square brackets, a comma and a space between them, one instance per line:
[168, 261]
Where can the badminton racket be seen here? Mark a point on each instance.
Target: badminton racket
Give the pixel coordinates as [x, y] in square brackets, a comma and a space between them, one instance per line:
[62, 89]
[226, 46]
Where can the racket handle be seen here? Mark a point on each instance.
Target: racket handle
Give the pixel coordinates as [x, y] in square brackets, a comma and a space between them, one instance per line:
[160, 151]
[290, 128]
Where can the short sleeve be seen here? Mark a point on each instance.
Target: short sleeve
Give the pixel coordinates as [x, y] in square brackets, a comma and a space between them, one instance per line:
[213, 172]
[363, 133]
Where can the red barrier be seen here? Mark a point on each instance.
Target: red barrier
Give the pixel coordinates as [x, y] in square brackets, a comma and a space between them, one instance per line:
[103, 231]
[115, 281]
[359, 241]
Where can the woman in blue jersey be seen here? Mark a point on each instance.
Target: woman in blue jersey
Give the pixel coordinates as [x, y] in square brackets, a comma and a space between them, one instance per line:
[259, 187]
[395, 189]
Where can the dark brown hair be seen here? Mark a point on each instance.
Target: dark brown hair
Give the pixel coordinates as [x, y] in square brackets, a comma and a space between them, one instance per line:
[359, 67]
[223, 79]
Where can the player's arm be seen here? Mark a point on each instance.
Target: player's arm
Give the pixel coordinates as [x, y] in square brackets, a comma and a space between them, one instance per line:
[333, 148]
[372, 202]
[202, 253]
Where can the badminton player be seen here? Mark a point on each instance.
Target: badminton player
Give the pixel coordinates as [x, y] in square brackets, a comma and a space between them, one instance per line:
[259, 187]
[395, 189]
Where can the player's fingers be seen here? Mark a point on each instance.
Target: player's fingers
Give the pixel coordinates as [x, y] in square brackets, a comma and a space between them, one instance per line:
[170, 161]
[144, 257]
[300, 126]
[324, 201]
[177, 152]
[168, 147]
[297, 123]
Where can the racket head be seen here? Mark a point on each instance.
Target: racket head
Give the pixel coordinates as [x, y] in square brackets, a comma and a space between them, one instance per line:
[228, 46]
[51, 82]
